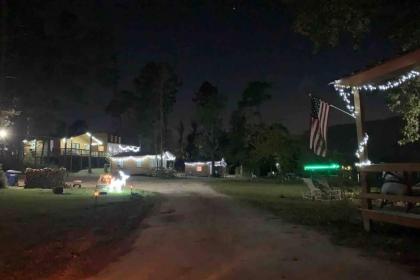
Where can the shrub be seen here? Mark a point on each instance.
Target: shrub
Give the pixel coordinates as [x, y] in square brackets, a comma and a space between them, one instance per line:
[58, 190]
[44, 178]
[3, 179]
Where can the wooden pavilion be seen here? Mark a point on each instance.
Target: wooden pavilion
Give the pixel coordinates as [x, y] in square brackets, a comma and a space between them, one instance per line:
[386, 75]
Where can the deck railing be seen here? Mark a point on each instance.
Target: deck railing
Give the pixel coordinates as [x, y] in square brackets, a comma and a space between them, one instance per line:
[81, 152]
[397, 217]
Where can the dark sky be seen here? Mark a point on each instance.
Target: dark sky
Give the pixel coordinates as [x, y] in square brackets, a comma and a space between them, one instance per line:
[230, 45]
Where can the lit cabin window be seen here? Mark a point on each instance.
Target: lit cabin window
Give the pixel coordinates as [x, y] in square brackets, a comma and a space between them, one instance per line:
[120, 163]
[138, 163]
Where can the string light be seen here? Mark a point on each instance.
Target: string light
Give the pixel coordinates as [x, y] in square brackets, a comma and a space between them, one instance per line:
[382, 87]
[360, 150]
[222, 163]
[98, 142]
[362, 146]
[363, 163]
[345, 91]
[134, 149]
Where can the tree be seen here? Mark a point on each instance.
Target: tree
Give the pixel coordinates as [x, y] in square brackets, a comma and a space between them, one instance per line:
[209, 107]
[150, 103]
[156, 89]
[254, 96]
[181, 148]
[52, 53]
[119, 105]
[191, 149]
[274, 147]
[406, 101]
[326, 23]
[244, 121]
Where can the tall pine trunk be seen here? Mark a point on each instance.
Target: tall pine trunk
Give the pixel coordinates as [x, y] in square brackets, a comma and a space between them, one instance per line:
[41, 159]
[3, 45]
[161, 124]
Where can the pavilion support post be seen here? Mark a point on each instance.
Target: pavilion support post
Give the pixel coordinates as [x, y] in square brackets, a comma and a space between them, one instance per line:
[366, 202]
[90, 155]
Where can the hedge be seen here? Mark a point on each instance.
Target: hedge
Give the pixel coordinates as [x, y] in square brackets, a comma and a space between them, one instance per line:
[45, 178]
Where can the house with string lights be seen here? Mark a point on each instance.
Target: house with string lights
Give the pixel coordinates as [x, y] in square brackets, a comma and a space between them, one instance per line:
[135, 163]
[200, 168]
[74, 152]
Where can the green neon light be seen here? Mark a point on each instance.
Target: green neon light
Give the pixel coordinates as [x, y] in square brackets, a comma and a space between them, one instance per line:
[313, 167]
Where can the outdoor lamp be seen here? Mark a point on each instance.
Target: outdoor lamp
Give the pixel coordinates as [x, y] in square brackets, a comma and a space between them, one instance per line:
[3, 133]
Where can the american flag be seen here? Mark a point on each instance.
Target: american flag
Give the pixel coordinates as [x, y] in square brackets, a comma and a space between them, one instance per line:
[319, 124]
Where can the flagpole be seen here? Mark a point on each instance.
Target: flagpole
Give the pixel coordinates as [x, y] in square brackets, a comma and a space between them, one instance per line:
[338, 109]
[341, 110]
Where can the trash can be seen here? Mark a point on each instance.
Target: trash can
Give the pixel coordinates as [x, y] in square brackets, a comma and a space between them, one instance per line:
[12, 177]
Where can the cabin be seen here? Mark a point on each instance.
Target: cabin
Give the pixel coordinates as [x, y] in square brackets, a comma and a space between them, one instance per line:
[136, 164]
[199, 168]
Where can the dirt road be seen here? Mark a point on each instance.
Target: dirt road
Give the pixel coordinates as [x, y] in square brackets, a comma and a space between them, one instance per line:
[200, 234]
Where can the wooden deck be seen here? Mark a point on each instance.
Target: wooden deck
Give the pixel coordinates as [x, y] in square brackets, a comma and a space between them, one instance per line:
[401, 218]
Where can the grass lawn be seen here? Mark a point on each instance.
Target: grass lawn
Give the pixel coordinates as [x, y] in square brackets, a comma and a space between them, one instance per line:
[340, 219]
[42, 233]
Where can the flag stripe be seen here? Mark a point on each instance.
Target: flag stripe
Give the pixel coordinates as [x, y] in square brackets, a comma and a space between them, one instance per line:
[319, 125]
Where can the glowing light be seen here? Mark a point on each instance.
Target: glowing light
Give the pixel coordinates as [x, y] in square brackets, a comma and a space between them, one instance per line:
[166, 156]
[134, 149]
[97, 141]
[363, 163]
[118, 183]
[382, 87]
[362, 146]
[360, 150]
[96, 193]
[313, 167]
[222, 163]
[3, 133]
[24, 141]
[345, 91]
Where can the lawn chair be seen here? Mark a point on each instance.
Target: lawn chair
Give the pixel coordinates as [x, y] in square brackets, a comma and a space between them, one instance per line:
[315, 193]
[335, 194]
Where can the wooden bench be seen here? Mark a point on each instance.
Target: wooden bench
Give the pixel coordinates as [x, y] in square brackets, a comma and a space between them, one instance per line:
[77, 183]
[401, 218]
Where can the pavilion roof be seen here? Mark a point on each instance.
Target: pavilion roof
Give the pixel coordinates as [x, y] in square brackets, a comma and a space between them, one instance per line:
[385, 70]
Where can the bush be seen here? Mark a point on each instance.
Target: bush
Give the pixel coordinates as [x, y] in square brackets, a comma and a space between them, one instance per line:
[46, 178]
[3, 179]
[58, 190]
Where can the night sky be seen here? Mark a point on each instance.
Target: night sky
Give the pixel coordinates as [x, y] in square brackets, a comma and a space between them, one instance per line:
[230, 45]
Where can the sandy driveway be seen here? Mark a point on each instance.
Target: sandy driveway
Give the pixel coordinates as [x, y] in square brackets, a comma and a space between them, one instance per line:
[200, 234]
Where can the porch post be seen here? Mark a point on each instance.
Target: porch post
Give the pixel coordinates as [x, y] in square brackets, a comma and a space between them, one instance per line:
[366, 203]
[71, 154]
[90, 155]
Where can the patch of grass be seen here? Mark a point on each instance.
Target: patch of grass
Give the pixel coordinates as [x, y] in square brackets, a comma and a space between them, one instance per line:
[38, 227]
[340, 219]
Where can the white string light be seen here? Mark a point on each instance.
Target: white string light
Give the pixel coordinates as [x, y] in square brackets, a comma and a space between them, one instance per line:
[382, 87]
[360, 150]
[362, 146]
[345, 91]
[134, 149]
[97, 141]
[363, 163]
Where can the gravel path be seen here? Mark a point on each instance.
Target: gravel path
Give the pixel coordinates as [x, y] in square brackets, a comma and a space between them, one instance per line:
[200, 234]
